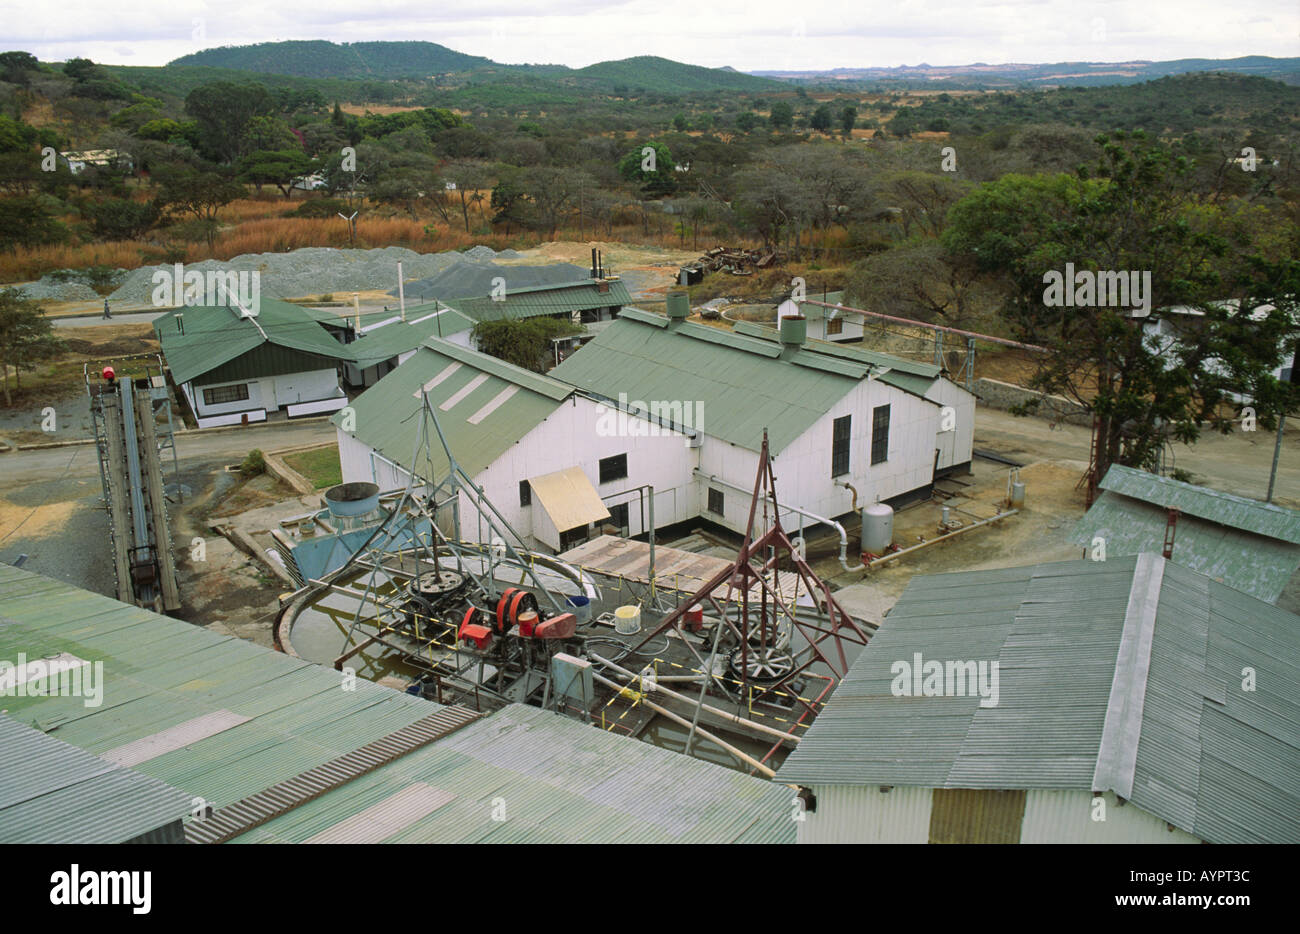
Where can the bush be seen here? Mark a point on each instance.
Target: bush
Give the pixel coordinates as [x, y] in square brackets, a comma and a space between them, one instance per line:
[254, 464]
[322, 207]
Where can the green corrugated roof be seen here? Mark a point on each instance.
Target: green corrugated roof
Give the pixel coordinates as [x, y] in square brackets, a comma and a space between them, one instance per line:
[396, 338]
[387, 413]
[215, 335]
[551, 780]
[53, 792]
[739, 378]
[1212, 759]
[160, 672]
[545, 300]
[1219, 535]
[1237, 512]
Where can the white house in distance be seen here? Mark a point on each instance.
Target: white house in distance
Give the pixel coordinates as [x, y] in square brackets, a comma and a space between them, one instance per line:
[234, 364]
[839, 420]
[556, 463]
[1117, 713]
[825, 324]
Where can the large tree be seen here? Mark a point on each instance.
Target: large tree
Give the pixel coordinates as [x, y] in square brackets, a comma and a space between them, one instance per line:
[224, 111]
[1223, 292]
[26, 338]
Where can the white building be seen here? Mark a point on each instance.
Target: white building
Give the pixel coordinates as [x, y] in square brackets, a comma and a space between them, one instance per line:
[1075, 702]
[559, 465]
[234, 365]
[836, 325]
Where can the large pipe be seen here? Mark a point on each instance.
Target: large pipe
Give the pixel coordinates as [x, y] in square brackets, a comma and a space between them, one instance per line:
[933, 327]
[844, 536]
[941, 538]
[682, 721]
[729, 717]
[401, 293]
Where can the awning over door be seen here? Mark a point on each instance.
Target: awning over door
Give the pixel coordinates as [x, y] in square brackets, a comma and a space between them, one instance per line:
[568, 498]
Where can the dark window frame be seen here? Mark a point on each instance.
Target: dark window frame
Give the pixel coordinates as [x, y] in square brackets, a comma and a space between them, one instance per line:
[716, 502]
[210, 395]
[609, 468]
[879, 435]
[834, 326]
[525, 493]
[841, 432]
[620, 516]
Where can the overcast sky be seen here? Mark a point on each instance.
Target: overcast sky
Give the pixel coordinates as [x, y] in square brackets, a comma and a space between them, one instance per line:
[750, 35]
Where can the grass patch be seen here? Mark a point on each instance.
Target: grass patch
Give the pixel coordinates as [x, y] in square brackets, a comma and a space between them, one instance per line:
[320, 466]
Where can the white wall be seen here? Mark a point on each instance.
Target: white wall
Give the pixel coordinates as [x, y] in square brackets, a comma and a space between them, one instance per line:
[954, 446]
[862, 814]
[268, 392]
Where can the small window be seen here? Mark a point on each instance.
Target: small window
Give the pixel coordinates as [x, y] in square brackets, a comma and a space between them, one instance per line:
[613, 468]
[879, 434]
[573, 537]
[525, 493]
[618, 516]
[715, 501]
[224, 394]
[840, 430]
[835, 326]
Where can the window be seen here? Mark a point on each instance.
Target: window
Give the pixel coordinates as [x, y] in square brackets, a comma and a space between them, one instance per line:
[834, 326]
[613, 468]
[525, 493]
[618, 516]
[573, 538]
[224, 394]
[715, 501]
[880, 434]
[840, 429]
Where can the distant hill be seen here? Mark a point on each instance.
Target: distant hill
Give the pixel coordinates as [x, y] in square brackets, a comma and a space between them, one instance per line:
[652, 73]
[1072, 74]
[321, 59]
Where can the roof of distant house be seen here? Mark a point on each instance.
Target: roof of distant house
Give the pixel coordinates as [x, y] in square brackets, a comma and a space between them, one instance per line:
[537, 300]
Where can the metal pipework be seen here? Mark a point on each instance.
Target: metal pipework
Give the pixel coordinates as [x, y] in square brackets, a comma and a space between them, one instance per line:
[844, 536]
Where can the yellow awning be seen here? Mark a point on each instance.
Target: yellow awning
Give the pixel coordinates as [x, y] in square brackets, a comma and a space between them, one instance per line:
[568, 498]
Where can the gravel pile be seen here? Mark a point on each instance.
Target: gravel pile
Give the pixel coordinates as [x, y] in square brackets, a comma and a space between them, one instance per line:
[313, 271]
[58, 290]
[467, 279]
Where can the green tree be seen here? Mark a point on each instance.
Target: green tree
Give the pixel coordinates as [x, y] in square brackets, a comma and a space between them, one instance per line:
[525, 342]
[1133, 213]
[27, 221]
[223, 111]
[198, 195]
[781, 116]
[26, 337]
[821, 119]
[652, 166]
[848, 118]
[278, 168]
[122, 218]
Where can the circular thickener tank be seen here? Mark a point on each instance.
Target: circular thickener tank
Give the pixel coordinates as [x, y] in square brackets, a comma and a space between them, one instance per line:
[352, 499]
[877, 528]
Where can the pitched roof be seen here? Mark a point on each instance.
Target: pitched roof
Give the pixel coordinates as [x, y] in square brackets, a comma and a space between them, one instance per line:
[484, 405]
[1082, 704]
[387, 340]
[533, 301]
[53, 792]
[739, 376]
[1251, 546]
[561, 780]
[215, 335]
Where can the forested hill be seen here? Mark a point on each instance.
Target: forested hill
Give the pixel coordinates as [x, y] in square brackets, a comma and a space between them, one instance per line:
[321, 59]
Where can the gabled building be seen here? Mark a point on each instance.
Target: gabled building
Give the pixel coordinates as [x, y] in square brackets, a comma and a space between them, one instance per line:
[233, 363]
[1251, 546]
[582, 302]
[553, 460]
[842, 424]
[1133, 701]
[385, 341]
[825, 324]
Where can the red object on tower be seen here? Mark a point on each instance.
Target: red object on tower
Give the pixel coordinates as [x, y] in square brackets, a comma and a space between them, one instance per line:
[108, 374]
[557, 627]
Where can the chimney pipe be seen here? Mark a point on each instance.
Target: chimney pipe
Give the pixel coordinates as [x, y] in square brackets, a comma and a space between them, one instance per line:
[180, 323]
[401, 293]
[679, 306]
[595, 269]
[794, 331]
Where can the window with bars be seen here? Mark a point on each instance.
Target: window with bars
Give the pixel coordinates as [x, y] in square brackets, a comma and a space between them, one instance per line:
[841, 428]
[835, 326]
[880, 434]
[715, 501]
[223, 394]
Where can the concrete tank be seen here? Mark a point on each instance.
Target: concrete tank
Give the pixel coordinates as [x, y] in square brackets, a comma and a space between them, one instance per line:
[877, 528]
[352, 499]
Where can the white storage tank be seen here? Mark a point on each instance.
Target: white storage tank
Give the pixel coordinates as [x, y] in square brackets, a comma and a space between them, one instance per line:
[877, 528]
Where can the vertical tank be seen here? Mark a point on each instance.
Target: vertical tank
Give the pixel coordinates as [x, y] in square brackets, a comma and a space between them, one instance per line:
[877, 528]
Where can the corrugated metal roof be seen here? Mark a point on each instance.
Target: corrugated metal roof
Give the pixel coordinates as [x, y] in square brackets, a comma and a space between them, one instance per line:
[484, 406]
[215, 335]
[1216, 761]
[548, 779]
[1237, 512]
[391, 340]
[160, 673]
[743, 384]
[1222, 548]
[532, 301]
[52, 792]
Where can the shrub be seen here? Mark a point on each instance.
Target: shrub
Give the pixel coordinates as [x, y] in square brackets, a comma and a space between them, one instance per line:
[254, 464]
